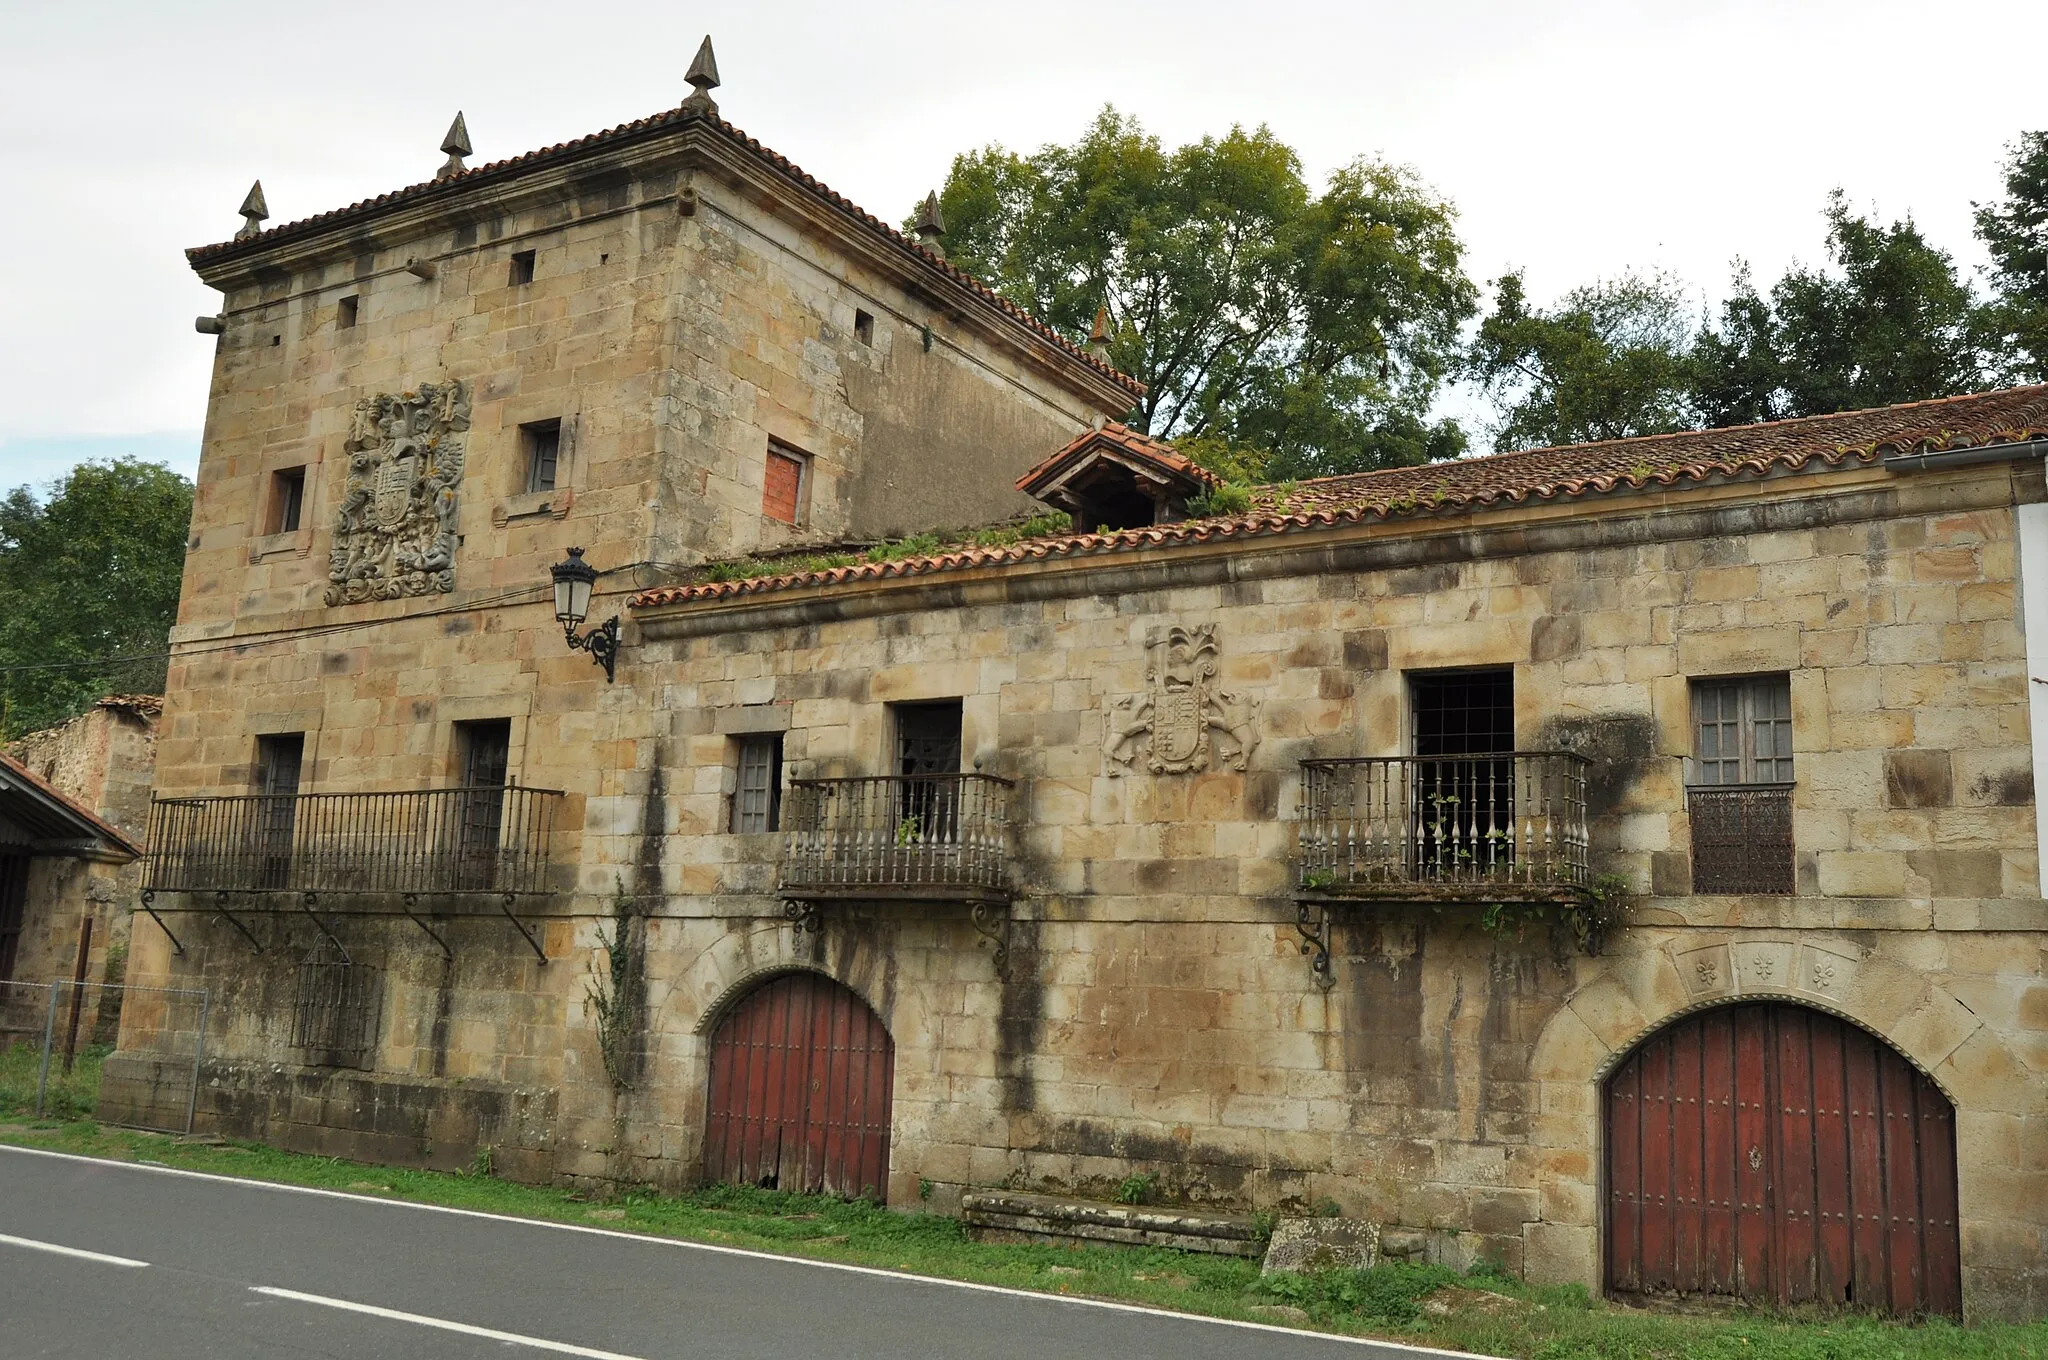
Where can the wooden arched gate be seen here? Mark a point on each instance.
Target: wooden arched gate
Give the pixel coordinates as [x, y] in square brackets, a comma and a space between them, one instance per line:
[801, 1076]
[1776, 1153]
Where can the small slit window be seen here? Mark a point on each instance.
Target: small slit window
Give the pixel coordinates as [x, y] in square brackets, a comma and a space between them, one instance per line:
[522, 267]
[864, 327]
[345, 314]
[541, 447]
[287, 500]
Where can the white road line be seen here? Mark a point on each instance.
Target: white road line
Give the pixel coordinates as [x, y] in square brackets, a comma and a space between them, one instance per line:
[648, 1239]
[56, 1250]
[394, 1315]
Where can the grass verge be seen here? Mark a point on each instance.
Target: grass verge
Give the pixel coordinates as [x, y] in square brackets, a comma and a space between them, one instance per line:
[1426, 1305]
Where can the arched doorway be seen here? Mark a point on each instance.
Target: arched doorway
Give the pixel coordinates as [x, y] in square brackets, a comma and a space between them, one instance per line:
[801, 1076]
[1773, 1152]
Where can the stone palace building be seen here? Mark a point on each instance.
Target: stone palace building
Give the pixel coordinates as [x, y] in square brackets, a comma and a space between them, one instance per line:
[1619, 862]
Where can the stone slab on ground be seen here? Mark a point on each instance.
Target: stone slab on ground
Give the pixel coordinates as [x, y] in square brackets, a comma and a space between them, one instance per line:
[1302, 1244]
[1017, 1216]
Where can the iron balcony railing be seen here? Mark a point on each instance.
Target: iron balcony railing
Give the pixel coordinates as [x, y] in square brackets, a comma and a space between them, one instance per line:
[889, 835]
[1741, 838]
[485, 839]
[1461, 826]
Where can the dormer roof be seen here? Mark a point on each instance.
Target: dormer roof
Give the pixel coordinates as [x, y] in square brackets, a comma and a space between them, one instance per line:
[1113, 462]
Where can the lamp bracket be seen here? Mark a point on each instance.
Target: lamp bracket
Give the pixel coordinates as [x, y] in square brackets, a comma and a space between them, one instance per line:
[602, 642]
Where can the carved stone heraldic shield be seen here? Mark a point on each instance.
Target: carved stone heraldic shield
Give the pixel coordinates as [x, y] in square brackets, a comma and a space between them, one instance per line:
[394, 534]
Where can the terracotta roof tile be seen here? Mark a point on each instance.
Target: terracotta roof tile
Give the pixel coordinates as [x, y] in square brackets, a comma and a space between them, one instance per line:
[1690, 457]
[648, 127]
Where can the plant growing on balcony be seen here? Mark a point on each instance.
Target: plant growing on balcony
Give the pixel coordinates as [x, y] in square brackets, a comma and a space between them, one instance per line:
[908, 830]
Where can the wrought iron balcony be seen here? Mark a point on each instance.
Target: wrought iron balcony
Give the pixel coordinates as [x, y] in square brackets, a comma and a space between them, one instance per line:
[415, 843]
[934, 836]
[1509, 826]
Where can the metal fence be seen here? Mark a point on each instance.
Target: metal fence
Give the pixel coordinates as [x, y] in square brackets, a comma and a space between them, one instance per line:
[488, 838]
[1513, 818]
[59, 1040]
[894, 832]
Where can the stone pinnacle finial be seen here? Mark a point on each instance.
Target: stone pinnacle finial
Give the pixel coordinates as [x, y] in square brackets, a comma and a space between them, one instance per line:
[253, 211]
[456, 144]
[703, 78]
[931, 225]
[1098, 336]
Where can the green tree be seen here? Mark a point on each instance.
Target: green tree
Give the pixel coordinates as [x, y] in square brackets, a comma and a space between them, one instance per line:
[1315, 327]
[1891, 321]
[1738, 376]
[1609, 361]
[2015, 231]
[90, 573]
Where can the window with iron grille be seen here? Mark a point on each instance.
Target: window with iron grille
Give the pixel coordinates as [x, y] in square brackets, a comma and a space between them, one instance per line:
[756, 802]
[1739, 797]
[334, 1017]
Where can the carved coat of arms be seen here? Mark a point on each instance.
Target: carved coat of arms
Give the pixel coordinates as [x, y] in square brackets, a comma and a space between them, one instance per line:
[1180, 709]
[395, 532]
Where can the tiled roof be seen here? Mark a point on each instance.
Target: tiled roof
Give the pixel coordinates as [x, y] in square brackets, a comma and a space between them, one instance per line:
[38, 804]
[1694, 456]
[1123, 439]
[645, 127]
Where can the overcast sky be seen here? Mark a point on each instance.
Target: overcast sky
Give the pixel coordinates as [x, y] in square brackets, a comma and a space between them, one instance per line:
[1577, 140]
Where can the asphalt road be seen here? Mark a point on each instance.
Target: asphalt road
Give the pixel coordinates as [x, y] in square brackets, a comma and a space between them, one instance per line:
[113, 1261]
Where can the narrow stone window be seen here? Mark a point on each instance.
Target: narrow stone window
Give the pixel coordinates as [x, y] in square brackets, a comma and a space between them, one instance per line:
[483, 749]
[13, 907]
[522, 267]
[274, 812]
[782, 489]
[864, 328]
[757, 799]
[1739, 787]
[345, 314]
[276, 340]
[287, 500]
[541, 446]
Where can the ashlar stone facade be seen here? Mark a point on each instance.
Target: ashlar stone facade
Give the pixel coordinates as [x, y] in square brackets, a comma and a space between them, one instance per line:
[1129, 963]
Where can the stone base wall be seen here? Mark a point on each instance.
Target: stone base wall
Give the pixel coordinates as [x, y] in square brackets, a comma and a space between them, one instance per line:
[361, 1117]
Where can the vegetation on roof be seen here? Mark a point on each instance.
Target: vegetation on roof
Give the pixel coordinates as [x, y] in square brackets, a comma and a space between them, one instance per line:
[925, 544]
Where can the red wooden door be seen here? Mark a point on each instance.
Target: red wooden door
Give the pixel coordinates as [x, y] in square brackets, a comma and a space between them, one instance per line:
[801, 1076]
[1780, 1154]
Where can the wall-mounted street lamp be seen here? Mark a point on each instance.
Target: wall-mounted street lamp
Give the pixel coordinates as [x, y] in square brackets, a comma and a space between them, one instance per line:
[573, 580]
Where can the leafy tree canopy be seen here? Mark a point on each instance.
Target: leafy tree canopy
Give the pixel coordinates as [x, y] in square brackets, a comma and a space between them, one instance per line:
[2015, 231]
[1886, 319]
[1609, 361]
[91, 572]
[1312, 330]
